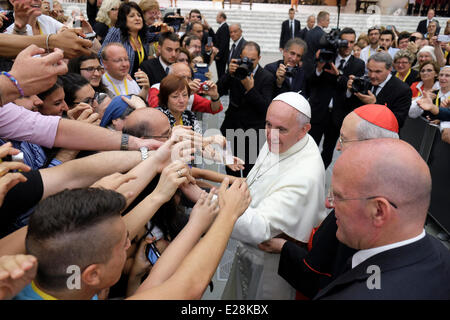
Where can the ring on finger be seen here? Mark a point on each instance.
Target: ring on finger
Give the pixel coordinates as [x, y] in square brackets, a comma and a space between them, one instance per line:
[180, 174]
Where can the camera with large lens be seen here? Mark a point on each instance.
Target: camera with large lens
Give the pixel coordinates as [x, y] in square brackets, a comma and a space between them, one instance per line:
[173, 20]
[290, 72]
[244, 69]
[361, 85]
[329, 45]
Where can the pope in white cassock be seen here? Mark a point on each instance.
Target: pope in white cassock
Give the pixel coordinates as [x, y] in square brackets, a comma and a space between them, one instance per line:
[287, 187]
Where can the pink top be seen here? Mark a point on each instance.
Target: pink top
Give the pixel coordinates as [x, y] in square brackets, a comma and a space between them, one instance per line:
[18, 123]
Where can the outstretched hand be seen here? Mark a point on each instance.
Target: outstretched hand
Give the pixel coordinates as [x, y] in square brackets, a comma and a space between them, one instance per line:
[15, 273]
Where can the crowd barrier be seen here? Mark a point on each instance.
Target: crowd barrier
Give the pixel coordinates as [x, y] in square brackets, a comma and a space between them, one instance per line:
[426, 139]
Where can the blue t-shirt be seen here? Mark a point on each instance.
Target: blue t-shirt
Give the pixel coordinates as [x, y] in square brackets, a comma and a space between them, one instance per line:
[28, 293]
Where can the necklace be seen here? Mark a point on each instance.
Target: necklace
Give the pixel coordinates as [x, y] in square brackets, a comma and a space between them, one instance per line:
[256, 178]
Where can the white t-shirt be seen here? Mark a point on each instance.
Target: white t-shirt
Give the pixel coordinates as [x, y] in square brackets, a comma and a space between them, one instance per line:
[124, 87]
[47, 24]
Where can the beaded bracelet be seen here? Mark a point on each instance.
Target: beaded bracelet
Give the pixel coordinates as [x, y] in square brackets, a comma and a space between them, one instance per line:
[16, 83]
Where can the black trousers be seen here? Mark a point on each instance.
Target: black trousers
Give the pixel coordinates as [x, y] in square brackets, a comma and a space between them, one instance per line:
[330, 131]
[220, 66]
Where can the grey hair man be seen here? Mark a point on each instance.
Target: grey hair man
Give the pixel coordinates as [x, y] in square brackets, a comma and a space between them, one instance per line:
[287, 188]
[384, 88]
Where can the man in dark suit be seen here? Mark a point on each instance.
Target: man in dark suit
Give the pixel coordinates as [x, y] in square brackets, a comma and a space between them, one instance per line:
[385, 89]
[168, 49]
[249, 100]
[238, 42]
[222, 43]
[287, 72]
[312, 40]
[289, 29]
[310, 22]
[328, 87]
[381, 208]
[422, 27]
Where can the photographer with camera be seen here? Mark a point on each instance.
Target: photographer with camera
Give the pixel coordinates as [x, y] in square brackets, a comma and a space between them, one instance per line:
[328, 86]
[380, 87]
[250, 88]
[288, 72]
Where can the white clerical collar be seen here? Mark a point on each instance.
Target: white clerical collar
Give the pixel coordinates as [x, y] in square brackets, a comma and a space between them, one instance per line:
[363, 255]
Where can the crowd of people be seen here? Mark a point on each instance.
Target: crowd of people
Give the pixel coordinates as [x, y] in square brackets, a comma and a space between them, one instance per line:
[100, 193]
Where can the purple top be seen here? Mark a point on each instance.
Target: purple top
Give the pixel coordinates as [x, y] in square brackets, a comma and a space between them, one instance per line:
[18, 123]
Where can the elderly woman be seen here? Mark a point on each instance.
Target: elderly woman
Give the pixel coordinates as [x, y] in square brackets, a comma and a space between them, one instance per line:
[426, 54]
[174, 92]
[427, 86]
[106, 18]
[132, 33]
[403, 60]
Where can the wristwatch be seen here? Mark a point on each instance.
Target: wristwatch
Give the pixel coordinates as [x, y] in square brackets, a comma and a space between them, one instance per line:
[124, 141]
[144, 153]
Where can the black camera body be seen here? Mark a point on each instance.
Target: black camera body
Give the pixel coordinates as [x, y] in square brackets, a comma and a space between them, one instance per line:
[361, 85]
[154, 29]
[329, 45]
[173, 21]
[290, 72]
[244, 69]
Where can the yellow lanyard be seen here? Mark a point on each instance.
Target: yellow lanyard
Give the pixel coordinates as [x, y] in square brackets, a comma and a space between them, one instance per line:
[406, 77]
[437, 100]
[39, 27]
[115, 88]
[41, 293]
[140, 51]
[180, 123]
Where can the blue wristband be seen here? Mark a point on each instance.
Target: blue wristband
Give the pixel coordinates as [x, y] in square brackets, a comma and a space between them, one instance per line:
[16, 83]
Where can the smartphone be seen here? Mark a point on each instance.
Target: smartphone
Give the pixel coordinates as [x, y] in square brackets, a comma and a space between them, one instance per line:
[202, 69]
[76, 23]
[443, 38]
[90, 36]
[152, 253]
[51, 4]
[209, 44]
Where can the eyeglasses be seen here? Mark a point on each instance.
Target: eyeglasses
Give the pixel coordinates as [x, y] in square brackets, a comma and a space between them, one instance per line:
[88, 100]
[342, 141]
[402, 62]
[332, 200]
[92, 69]
[114, 9]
